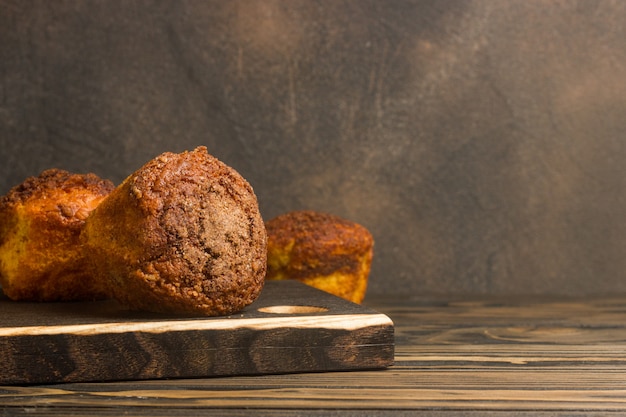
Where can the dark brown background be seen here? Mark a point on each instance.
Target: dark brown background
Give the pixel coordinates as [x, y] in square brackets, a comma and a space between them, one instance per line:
[482, 142]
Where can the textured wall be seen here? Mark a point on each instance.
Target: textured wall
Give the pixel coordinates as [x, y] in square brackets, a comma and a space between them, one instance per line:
[482, 142]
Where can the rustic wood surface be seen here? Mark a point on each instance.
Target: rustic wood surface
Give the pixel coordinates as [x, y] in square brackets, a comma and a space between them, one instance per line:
[290, 328]
[454, 356]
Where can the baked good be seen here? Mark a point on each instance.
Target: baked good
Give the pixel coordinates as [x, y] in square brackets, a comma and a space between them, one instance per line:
[183, 235]
[321, 250]
[40, 224]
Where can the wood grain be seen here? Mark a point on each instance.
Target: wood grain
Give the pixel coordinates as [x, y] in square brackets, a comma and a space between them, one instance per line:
[481, 356]
[291, 328]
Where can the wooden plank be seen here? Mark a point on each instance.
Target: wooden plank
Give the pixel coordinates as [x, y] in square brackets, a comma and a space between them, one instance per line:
[487, 357]
[290, 328]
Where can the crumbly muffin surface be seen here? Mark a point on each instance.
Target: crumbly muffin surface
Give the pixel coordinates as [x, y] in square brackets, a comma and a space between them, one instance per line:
[41, 219]
[184, 235]
[321, 250]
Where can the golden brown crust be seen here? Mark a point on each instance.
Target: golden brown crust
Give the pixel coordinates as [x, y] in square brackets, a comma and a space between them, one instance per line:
[183, 234]
[322, 250]
[40, 224]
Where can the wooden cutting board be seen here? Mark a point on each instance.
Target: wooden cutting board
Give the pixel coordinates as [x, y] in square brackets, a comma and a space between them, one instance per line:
[290, 328]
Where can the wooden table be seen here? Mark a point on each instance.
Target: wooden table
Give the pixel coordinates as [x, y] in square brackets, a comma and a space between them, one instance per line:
[471, 356]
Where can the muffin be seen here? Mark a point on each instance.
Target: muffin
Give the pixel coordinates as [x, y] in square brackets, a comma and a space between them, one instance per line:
[182, 235]
[41, 220]
[321, 250]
